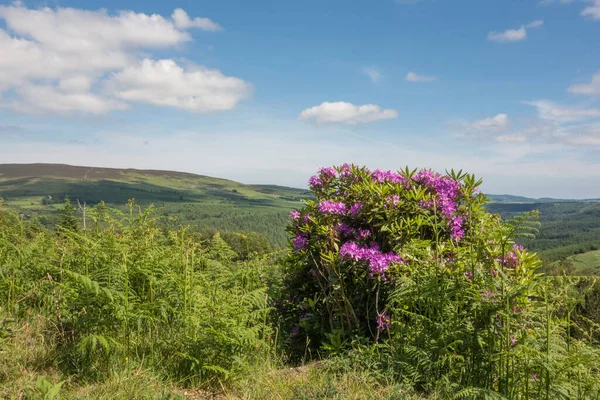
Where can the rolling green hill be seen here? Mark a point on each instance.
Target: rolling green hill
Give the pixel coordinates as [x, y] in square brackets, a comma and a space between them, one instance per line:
[201, 201]
[569, 227]
[512, 199]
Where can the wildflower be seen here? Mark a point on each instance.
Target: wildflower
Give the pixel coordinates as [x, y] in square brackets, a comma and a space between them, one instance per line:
[355, 209]
[351, 250]
[456, 228]
[294, 214]
[510, 260]
[469, 274]
[495, 273]
[518, 247]
[327, 174]
[384, 321]
[300, 242]
[395, 199]
[517, 309]
[363, 233]
[487, 295]
[332, 207]
[343, 229]
[378, 262]
[315, 182]
[346, 171]
[534, 377]
[295, 330]
[513, 340]
[426, 204]
[387, 176]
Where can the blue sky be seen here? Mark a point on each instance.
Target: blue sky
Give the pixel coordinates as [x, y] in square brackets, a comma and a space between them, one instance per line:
[269, 91]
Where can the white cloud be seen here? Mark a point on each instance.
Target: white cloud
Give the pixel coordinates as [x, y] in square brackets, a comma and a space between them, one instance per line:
[495, 123]
[512, 138]
[164, 83]
[262, 156]
[535, 24]
[555, 125]
[510, 35]
[583, 135]
[592, 88]
[553, 112]
[73, 30]
[183, 21]
[484, 129]
[347, 113]
[373, 73]
[592, 11]
[548, 2]
[515, 35]
[414, 77]
[39, 98]
[54, 59]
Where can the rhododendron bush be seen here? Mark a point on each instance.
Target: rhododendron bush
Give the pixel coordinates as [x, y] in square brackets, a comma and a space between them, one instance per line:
[411, 262]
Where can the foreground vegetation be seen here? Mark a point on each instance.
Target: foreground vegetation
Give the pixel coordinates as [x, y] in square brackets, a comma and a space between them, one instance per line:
[396, 285]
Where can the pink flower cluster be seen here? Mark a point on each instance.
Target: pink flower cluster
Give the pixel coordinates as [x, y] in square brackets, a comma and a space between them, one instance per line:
[447, 191]
[511, 260]
[332, 207]
[346, 231]
[384, 321]
[355, 209]
[387, 176]
[300, 242]
[393, 200]
[378, 261]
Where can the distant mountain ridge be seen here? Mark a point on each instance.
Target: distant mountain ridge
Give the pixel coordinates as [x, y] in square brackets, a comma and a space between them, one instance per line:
[176, 178]
[202, 202]
[206, 203]
[509, 198]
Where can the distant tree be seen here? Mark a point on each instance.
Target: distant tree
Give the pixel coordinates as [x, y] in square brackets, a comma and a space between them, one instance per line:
[67, 220]
[247, 245]
[220, 250]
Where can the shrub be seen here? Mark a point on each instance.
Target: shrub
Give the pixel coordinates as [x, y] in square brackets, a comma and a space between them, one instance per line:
[410, 262]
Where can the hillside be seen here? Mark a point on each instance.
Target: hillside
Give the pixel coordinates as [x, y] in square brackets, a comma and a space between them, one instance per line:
[202, 201]
[512, 199]
[568, 226]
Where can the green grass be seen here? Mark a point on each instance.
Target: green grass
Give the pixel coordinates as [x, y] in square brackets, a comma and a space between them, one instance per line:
[27, 358]
[587, 263]
[591, 259]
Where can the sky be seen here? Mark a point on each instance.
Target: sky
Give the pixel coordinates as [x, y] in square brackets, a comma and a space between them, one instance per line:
[269, 91]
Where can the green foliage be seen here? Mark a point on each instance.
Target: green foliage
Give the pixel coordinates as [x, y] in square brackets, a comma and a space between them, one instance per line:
[567, 228]
[126, 291]
[44, 390]
[66, 219]
[462, 316]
